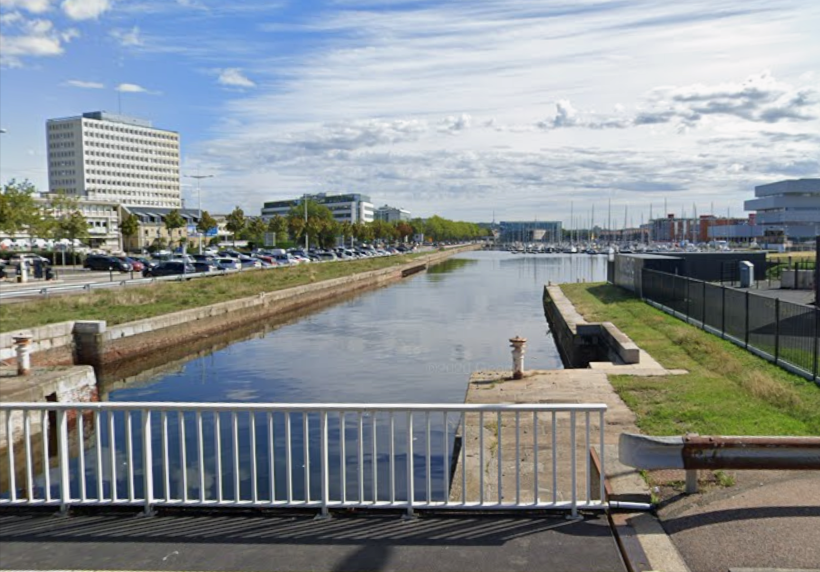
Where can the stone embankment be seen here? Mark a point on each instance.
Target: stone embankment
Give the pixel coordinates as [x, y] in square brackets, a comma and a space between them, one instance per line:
[95, 343]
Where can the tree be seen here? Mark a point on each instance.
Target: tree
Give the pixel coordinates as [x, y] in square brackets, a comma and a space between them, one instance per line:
[18, 210]
[296, 226]
[255, 230]
[206, 222]
[129, 226]
[73, 227]
[279, 226]
[235, 222]
[404, 229]
[173, 221]
[346, 230]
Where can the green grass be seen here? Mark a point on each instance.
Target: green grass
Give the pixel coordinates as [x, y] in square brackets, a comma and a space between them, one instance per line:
[121, 305]
[727, 391]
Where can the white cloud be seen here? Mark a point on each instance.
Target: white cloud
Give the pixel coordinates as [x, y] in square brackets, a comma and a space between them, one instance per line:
[35, 38]
[235, 78]
[85, 84]
[132, 88]
[33, 6]
[128, 38]
[85, 9]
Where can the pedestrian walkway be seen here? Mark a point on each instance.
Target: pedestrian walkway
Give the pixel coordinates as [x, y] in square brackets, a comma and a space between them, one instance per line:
[284, 543]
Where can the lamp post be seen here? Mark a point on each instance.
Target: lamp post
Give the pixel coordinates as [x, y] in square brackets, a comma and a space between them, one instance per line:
[306, 226]
[199, 199]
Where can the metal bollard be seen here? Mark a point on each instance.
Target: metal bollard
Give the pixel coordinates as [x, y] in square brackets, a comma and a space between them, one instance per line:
[518, 344]
[22, 344]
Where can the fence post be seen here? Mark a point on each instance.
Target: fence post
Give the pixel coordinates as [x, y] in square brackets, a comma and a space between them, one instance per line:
[688, 298]
[776, 329]
[410, 472]
[746, 337]
[703, 303]
[723, 312]
[816, 315]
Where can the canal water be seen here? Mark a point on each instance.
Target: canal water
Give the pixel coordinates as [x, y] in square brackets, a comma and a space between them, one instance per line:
[416, 341]
[413, 342]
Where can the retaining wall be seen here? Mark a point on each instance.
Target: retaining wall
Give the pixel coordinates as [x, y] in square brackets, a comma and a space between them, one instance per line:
[96, 344]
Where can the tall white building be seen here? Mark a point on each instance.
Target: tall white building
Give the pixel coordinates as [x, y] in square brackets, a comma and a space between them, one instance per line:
[114, 158]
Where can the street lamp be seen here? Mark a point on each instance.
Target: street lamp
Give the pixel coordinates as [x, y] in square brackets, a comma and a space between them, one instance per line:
[306, 226]
[199, 199]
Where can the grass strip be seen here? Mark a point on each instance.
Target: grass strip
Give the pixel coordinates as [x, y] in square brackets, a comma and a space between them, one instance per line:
[120, 305]
[728, 391]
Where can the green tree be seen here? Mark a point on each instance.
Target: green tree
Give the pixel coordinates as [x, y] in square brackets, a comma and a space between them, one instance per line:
[73, 227]
[346, 230]
[130, 226]
[279, 226]
[254, 230]
[235, 222]
[206, 222]
[19, 211]
[173, 220]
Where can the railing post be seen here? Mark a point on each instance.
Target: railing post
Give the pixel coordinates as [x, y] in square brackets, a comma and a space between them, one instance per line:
[410, 489]
[688, 299]
[776, 329]
[148, 463]
[324, 464]
[65, 482]
[746, 336]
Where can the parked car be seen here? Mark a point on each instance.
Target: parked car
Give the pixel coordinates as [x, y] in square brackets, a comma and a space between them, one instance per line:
[170, 268]
[103, 262]
[229, 263]
[136, 265]
[206, 266]
[29, 257]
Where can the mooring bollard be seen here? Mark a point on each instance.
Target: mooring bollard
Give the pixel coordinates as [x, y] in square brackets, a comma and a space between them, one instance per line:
[518, 344]
[22, 343]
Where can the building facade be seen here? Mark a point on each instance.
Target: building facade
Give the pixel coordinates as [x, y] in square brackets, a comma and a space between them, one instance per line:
[391, 214]
[153, 233]
[787, 211]
[107, 157]
[352, 207]
[103, 219]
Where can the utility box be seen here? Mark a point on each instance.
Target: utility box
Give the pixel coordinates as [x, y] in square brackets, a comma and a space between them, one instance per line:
[747, 273]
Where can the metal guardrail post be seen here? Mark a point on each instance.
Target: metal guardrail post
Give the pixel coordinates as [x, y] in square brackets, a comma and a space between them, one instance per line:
[776, 330]
[691, 481]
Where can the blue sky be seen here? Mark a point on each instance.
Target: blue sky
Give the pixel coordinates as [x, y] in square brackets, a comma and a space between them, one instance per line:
[523, 108]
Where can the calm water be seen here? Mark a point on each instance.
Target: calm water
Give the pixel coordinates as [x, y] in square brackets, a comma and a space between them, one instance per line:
[413, 342]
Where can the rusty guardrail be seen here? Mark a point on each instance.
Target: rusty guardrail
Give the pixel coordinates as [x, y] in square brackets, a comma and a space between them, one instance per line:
[694, 452]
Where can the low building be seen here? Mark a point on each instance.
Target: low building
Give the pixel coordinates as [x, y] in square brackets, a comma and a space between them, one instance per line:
[153, 232]
[391, 214]
[352, 207]
[103, 219]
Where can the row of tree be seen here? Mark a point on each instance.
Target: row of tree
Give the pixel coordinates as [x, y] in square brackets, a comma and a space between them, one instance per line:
[316, 222]
[60, 216]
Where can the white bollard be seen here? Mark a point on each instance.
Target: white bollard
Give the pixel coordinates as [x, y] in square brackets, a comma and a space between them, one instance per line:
[518, 344]
[22, 343]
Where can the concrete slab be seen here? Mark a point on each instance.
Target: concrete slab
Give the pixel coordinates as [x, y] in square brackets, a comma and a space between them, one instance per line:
[275, 542]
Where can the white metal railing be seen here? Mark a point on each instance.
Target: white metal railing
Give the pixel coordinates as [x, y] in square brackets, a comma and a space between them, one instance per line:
[322, 456]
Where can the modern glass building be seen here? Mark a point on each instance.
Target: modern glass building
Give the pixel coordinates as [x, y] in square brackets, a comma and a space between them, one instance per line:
[787, 211]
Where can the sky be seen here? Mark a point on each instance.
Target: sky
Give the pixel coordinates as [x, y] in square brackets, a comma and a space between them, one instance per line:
[470, 109]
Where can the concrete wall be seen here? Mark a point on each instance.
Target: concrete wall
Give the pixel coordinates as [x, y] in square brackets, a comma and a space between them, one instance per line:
[94, 343]
[580, 342]
[75, 384]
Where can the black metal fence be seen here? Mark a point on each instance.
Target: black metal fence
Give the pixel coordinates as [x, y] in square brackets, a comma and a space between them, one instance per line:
[782, 332]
